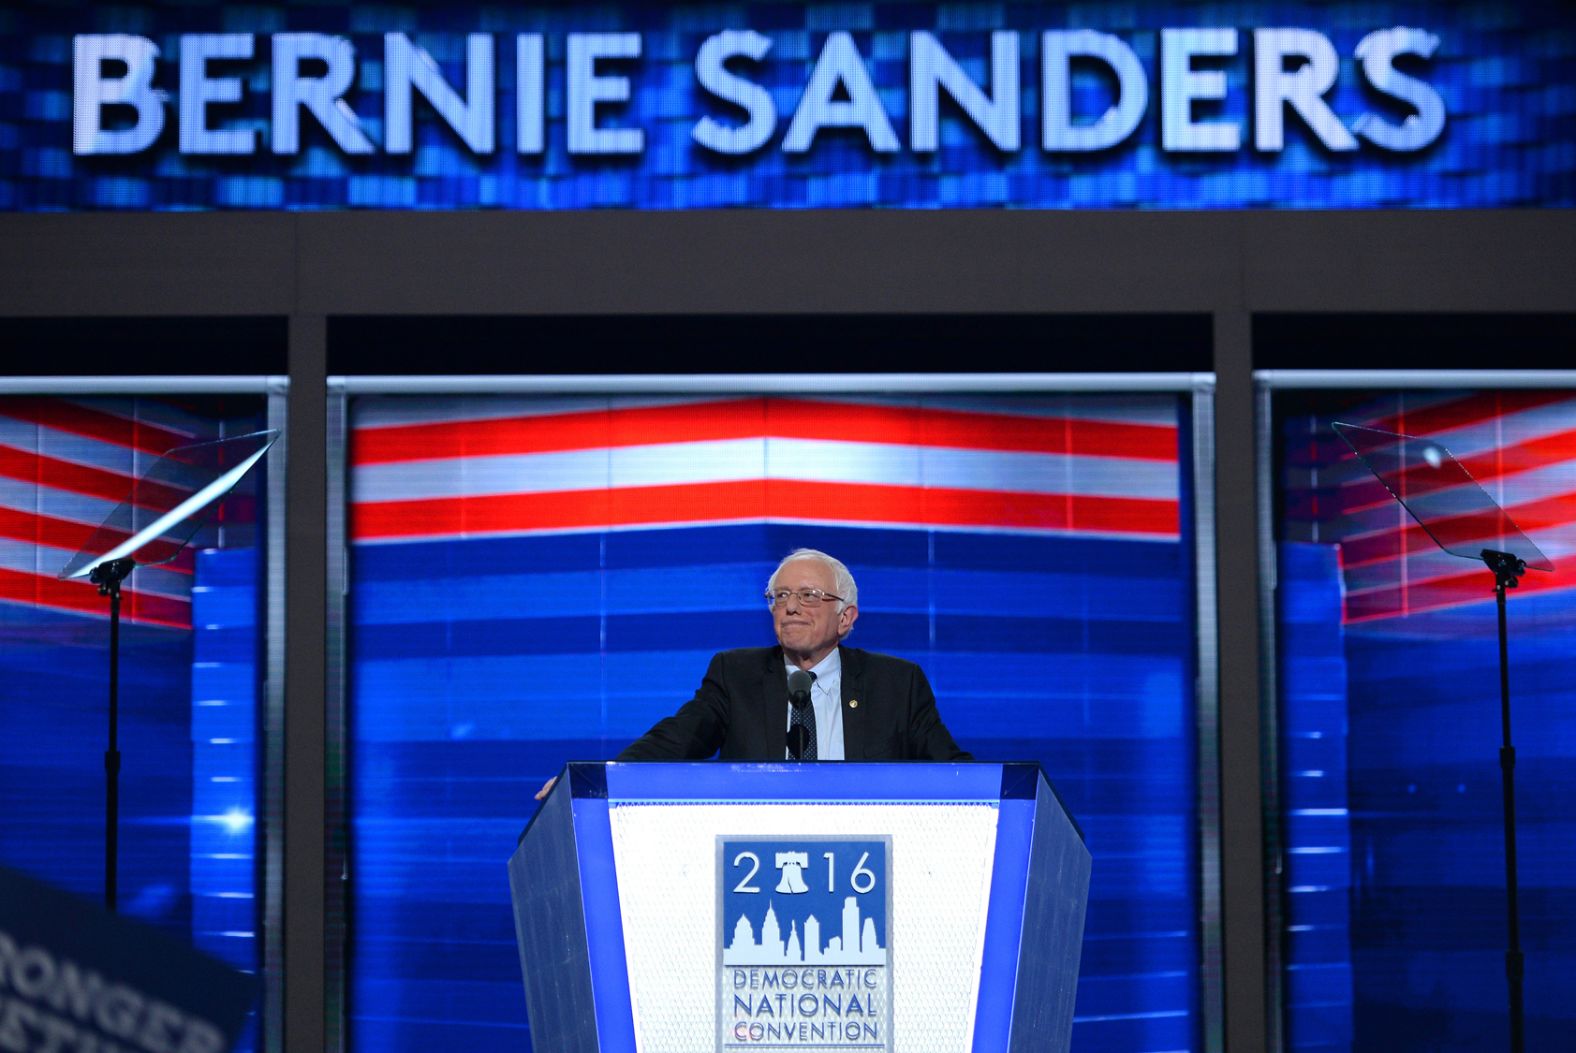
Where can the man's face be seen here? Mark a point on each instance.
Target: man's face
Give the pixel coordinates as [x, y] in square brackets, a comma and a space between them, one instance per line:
[808, 634]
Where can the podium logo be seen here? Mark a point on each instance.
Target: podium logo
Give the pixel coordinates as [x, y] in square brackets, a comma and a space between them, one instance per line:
[803, 944]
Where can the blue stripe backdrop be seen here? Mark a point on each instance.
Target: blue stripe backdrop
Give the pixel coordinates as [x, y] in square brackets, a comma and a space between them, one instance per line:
[54, 682]
[188, 784]
[187, 728]
[480, 666]
[1428, 902]
[1395, 915]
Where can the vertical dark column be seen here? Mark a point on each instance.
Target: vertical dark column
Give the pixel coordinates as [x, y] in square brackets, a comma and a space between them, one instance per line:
[1241, 723]
[306, 549]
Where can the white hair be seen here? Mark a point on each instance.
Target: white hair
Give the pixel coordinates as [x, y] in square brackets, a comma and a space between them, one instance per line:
[844, 580]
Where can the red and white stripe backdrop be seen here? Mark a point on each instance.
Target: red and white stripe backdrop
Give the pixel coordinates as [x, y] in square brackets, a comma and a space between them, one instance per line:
[64, 466]
[1520, 447]
[448, 468]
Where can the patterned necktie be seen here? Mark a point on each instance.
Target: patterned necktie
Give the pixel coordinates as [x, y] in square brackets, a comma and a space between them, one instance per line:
[804, 717]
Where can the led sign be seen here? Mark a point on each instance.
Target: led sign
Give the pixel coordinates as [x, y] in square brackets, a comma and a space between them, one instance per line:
[487, 104]
[116, 108]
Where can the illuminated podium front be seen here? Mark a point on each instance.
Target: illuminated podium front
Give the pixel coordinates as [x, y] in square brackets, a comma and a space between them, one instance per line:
[676, 908]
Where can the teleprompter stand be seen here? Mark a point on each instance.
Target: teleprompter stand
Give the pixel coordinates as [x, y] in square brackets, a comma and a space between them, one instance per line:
[152, 525]
[1464, 521]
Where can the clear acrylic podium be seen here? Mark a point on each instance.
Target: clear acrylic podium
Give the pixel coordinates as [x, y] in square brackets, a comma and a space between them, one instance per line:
[676, 908]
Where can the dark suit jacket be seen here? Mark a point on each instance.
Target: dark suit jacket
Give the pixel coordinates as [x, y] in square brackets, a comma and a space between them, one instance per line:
[741, 710]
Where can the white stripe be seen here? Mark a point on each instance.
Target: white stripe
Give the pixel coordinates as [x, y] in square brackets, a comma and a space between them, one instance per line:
[47, 561]
[394, 411]
[390, 411]
[150, 412]
[42, 498]
[1509, 493]
[186, 509]
[88, 511]
[154, 412]
[1510, 429]
[1550, 480]
[1111, 409]
[1551, 543]
[953, 468]
[1434, 565]
[68, 446]
[735, 460]
[61, 504]
[1494, 432]
[1534, 484]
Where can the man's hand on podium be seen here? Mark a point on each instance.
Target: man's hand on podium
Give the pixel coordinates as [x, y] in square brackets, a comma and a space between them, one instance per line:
[547, 788]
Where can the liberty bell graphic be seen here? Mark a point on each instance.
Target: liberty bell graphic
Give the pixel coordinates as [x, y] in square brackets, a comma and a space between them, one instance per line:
[792, 865]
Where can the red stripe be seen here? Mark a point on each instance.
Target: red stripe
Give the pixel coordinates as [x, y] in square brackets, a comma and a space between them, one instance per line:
[758, 417]
[1528, 456]
[1544, 514]
[41, 591]
[84, 479]
[760, 499]
[93, 424]
[1486, 467]
[64, 534]
[1330, 502]
[1472, 586]
[1466, 411]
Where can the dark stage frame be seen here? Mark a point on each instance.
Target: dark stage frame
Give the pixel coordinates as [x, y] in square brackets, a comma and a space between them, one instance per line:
[1237, 272]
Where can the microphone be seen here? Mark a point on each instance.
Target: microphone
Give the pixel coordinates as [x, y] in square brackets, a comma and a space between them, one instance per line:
[799, 683]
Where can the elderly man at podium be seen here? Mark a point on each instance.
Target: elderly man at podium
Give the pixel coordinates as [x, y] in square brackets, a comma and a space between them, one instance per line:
[861, 706]
[810, 697]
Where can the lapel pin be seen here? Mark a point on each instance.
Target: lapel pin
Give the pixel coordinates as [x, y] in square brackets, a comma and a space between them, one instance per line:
[853, 703]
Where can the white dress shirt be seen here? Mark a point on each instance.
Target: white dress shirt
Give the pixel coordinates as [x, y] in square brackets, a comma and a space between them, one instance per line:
[826, 696]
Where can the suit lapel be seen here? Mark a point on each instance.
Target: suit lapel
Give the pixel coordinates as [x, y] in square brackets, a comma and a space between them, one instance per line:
[854, 715]
[772, 727]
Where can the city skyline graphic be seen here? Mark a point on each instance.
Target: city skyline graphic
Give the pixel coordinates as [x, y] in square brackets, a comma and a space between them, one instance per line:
[856, 943]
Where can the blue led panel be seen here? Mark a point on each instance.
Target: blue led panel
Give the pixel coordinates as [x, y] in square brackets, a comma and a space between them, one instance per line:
[1316, 876]
[539, 580]
[1391, 808]
[1155, 105]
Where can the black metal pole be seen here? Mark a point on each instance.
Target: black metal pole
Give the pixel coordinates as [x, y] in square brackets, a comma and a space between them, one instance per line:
[108, 576]
[1514, 962]
[1507, 573]
[112, 755]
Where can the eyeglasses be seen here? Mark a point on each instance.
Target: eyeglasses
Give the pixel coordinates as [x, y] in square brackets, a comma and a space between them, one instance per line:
[807, 597]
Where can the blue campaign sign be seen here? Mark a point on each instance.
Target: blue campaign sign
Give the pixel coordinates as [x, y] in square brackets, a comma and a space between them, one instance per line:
[73, 976]
[804, 943]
